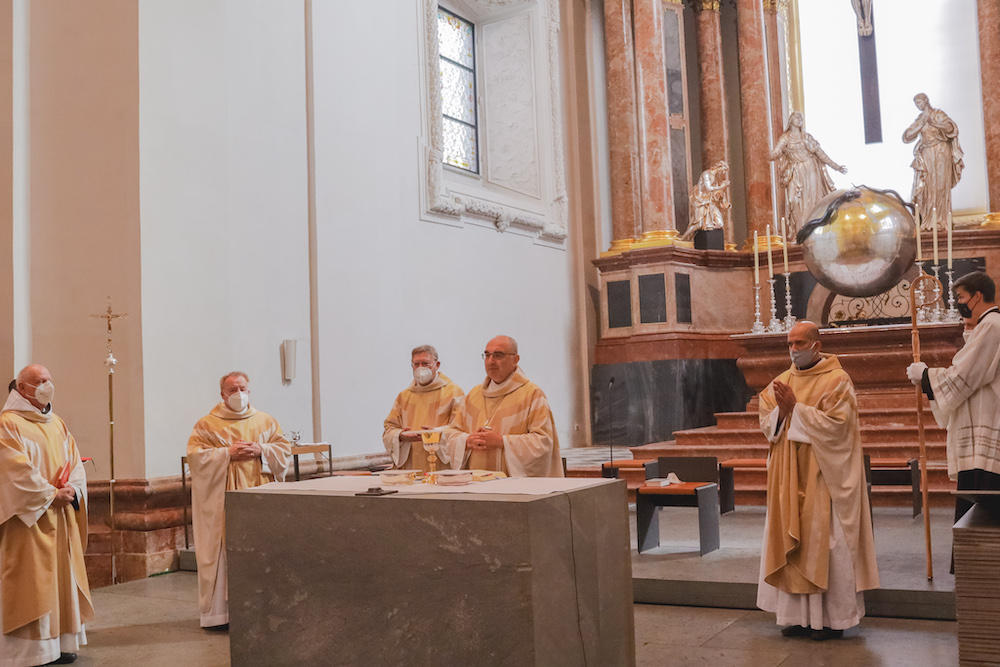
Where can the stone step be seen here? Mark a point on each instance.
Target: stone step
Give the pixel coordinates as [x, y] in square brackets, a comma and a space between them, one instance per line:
[871, 417]
[872, 435]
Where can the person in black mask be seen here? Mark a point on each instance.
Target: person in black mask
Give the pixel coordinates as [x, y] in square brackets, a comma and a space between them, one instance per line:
[965, 397]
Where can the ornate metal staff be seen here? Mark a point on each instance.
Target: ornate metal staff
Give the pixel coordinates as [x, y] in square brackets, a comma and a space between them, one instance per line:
[926, 285]
[110, 362]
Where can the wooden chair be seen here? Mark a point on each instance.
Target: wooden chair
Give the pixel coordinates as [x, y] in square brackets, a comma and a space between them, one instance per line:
[700, 489]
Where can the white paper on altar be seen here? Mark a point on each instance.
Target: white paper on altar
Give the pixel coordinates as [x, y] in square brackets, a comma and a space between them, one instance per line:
[535, 486]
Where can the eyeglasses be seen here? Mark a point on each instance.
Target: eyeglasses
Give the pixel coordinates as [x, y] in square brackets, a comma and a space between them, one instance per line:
[497, 356]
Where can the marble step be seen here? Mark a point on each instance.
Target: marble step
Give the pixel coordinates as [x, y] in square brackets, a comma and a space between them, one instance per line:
[733, 448]
[870, 435]
[869, 417]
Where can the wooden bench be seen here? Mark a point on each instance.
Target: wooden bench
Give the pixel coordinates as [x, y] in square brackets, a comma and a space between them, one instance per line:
[703, 494]
[727, 480]
[613, 468]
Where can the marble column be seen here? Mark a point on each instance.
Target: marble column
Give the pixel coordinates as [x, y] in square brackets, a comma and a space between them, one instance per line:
[754, 118]
[989, 68]
[712, 100]
[622, 121]
[775, 65]
[658, 225]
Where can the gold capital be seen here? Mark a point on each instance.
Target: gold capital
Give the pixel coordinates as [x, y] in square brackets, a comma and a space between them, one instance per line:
[706, 5]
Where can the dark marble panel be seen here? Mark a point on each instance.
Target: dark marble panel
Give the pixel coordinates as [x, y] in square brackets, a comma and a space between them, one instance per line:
[641, 402]
[962, 266]
[652, 298]
[682, 296]
[802, 284]
[619, 304]
[711, 239]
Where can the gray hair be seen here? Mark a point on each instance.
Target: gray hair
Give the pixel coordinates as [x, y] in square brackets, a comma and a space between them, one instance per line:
[424, 349]
[511, 343]
[222, 382]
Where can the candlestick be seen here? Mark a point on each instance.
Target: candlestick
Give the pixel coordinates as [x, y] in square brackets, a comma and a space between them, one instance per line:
[951, 224]
[920, 245]
[784, 247]
[758, 326]
[756, 261]
[952, 314]
[774, 326]
[770, 262]
[937, 312]
[935, 229]
[789, 318]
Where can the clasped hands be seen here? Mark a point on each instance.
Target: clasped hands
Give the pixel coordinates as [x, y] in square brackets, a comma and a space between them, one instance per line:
[785, 398]
[241, 450]
[64, 496]
[484, 438]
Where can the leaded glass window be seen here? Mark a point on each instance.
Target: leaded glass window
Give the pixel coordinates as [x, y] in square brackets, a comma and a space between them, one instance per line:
[456, 41]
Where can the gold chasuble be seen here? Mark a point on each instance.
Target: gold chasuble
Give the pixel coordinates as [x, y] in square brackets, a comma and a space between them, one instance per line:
[212, 474]
[815, 464]
[432, 405]
[43, 579]
[518, 410]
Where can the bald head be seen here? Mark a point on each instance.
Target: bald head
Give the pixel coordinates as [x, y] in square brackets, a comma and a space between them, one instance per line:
[501, 358]
[805, 329]
[28, 381]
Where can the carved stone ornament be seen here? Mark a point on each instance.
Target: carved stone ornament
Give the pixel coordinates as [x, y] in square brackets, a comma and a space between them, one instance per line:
[548, 226]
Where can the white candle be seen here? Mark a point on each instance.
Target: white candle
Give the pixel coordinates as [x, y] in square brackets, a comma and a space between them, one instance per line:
[920, 245]
[934, 227]
[756, 261]
[951, 224]
[770, 261]
[784, 247]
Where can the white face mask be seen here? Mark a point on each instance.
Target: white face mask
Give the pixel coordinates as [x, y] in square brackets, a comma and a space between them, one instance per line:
[45, 392]
[238, 401]
[802, 358]
[423, 375]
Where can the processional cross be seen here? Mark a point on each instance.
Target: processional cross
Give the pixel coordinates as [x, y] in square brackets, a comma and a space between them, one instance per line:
[870, 106]
[110, 362]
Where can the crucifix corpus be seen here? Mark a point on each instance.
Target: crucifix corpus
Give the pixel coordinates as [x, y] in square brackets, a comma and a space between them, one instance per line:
[870, 105]
[110, 362]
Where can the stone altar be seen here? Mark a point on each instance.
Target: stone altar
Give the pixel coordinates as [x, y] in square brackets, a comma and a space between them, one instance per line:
[327, 577]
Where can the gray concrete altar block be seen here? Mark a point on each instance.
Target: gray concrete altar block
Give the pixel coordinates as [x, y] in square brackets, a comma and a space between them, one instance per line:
[326, 578]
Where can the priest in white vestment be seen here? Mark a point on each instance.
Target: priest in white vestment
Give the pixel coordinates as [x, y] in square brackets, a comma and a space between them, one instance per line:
[44, 593]
[430, 402]
[819, 549]
[226, 452]
[965, 397]
[505, 424]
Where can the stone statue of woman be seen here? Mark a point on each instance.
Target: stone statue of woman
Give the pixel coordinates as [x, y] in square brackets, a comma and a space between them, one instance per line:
[802, 172]
[710, 200]
[937, 162]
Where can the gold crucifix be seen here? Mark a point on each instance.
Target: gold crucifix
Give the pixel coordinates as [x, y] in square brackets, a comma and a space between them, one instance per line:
[110, 362]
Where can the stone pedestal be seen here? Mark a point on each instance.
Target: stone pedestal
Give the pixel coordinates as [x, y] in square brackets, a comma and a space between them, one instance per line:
[329, 578]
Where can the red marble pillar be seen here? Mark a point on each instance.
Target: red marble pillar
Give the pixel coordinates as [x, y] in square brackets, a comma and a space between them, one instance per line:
[754, 118]
[658, 225]
[712, 101]
[989, 68]
[774, 67]
[622, 131]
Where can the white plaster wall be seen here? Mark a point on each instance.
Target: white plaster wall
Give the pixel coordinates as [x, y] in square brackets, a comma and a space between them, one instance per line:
[388, 281]
[929, 47]
[223, 211]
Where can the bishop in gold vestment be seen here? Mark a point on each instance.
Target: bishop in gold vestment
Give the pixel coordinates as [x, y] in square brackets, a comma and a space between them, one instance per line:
[431, 401]
[819, 550]
[226, 452]
[505, 424]
[44, 593]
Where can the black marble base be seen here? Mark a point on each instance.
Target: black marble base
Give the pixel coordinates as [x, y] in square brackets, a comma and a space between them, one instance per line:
[649, 400]
[712, 239]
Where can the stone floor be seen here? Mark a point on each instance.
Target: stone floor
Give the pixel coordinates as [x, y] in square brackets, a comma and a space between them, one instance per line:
[155, 622]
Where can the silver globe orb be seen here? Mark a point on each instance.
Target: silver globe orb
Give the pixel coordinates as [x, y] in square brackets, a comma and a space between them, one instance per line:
[867, 245]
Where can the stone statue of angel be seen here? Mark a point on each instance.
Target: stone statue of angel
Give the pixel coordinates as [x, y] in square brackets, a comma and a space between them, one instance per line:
[710, 200]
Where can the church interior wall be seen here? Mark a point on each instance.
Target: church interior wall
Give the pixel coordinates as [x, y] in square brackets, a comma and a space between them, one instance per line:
[225, 274]
[930, 48]
[388, 280]
[7, 191]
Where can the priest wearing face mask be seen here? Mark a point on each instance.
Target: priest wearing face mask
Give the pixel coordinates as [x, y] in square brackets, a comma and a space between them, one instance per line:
[44, 592]
[965, 397]
[430, 402]
[818, 551]
[505, 424]
[227, 451]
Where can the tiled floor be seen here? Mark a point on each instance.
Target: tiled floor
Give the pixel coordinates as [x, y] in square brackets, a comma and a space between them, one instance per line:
[155, 622]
